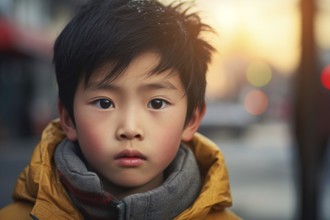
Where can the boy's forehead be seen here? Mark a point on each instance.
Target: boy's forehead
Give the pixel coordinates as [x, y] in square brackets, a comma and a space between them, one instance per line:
[143, 66]
[103, 76]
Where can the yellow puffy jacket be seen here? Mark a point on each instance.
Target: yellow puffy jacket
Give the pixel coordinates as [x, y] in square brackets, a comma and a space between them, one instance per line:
[39, 192]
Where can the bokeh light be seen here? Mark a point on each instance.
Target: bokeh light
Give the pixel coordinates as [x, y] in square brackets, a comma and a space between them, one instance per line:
[325, 77]
[256, 102]
[258, 74]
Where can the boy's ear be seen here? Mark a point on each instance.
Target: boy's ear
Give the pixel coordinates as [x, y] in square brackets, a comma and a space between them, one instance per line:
[193, 124]
[66, 122]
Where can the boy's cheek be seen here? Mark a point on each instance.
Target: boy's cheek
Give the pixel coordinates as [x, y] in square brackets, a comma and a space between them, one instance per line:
[92, 148]
[169, 140]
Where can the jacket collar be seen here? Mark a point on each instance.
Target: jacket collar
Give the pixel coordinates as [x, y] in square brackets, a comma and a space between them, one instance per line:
[215, 194]
[86, 190]
[51, 199]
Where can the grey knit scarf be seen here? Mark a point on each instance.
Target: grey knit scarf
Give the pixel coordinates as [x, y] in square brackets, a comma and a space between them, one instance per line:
[177, 193]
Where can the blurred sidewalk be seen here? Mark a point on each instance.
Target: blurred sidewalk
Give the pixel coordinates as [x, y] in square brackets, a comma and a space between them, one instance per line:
[263, 175]
[260, 164]
[262, 172]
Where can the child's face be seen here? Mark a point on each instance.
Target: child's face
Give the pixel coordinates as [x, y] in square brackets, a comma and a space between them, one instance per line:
[130, 129]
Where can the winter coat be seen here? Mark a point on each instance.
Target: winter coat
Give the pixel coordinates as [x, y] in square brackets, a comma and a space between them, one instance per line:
[39, 193]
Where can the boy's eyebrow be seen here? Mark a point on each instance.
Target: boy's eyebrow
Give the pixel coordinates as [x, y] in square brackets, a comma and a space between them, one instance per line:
[146, 86]
[158, 85]
[102, 86]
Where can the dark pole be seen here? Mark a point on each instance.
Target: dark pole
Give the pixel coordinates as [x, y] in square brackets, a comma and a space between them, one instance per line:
[309, 117]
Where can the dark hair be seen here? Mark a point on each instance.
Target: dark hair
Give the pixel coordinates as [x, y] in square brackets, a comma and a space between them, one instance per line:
[117, 31]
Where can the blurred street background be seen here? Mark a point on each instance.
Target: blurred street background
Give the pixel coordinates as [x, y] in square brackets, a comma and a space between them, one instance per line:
[268, 97]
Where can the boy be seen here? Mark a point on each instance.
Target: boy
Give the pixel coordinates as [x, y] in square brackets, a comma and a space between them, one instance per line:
[131, 79]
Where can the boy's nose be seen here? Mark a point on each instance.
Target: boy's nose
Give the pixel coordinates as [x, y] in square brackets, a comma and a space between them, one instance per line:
[129, 134]
[129, 125]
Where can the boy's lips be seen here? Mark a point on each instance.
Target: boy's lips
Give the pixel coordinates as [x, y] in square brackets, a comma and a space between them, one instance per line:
[130, 158]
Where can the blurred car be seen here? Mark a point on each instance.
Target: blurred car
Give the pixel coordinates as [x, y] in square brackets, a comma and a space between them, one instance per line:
[229, 116]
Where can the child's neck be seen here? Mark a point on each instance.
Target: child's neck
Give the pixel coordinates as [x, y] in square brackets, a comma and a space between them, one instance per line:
[120, 192]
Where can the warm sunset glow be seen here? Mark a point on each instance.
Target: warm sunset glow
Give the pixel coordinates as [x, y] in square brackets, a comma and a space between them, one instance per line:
[247, 31]
[263, 29]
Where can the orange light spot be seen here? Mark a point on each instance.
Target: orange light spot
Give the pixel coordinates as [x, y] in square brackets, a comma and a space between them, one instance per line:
[256, 102]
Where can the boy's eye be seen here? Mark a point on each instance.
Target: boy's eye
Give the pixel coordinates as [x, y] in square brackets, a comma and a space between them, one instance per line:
[157, 104]
[104, 103]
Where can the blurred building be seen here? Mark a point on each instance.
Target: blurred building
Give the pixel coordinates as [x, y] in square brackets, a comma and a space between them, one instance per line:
[27, 82]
